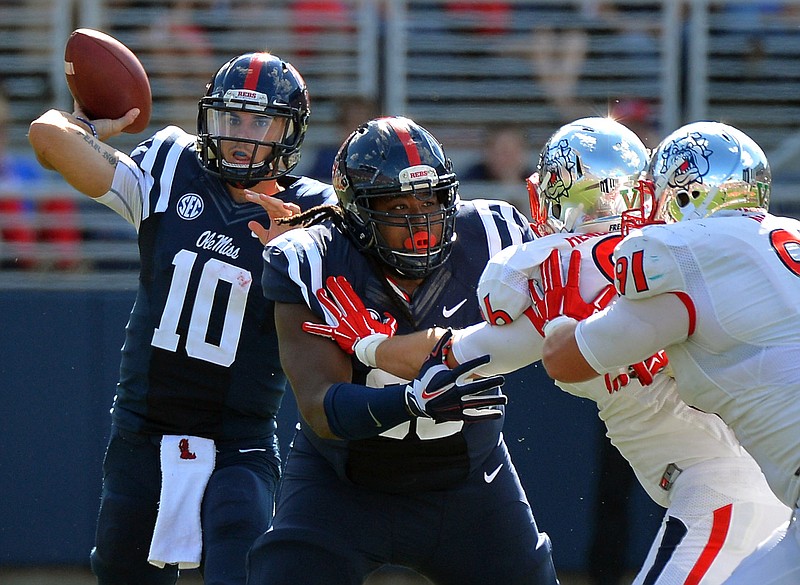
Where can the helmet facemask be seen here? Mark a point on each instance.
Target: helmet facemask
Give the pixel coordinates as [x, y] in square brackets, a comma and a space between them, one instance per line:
[429, 235]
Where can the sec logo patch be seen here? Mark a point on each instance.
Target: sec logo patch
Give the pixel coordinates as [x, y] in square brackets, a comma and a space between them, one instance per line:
[190, 206]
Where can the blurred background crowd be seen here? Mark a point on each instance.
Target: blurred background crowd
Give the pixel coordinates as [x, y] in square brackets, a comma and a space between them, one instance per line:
[492, 79]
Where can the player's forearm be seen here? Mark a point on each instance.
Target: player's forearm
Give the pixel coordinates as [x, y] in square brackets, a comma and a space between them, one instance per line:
[511, 346]
[403, 355]
[63, 144]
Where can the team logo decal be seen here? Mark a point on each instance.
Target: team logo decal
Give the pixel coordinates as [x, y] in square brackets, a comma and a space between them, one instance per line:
[186, 453]
[685, 160]
[417, 174]
[190, 206]
[559, 163]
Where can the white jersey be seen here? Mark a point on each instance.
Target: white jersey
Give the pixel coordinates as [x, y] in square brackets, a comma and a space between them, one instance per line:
[719, 507]
[739, 276]
[650, 425]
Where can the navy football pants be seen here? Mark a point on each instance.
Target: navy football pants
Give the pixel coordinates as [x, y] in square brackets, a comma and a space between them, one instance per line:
[329, 532]
[237, 507]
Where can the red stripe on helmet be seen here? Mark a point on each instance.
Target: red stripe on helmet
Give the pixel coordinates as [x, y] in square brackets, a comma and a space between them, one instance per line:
[251, 81]
[401, 129]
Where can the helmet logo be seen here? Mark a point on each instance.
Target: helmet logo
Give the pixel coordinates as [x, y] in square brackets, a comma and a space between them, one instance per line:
[340, 181]
[246, 95]
[559, 164]
[190, 206]
[418, 174]
[685, 160]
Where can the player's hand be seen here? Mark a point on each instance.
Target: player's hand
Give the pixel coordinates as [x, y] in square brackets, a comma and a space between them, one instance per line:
[106, 128]
[276, 209]
[354, 322]
[558, 297]
[646, 370]
[446, 395]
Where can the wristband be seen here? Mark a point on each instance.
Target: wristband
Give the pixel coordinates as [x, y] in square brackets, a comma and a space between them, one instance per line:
[554, 324]
[89, 124]
[365, 348]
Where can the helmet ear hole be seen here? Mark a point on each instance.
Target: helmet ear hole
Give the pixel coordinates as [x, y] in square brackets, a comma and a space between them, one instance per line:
[682, 198]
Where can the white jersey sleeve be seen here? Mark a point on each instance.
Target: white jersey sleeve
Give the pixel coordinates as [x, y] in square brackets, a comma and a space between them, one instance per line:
[510, 347]
[645, 265]
[126, 196]
[503, 292]
[637, 330]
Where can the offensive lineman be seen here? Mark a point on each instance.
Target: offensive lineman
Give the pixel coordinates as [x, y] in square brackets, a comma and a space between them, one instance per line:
[400, 474]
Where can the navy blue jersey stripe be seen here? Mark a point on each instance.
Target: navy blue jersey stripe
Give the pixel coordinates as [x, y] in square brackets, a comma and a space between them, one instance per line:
[674, 532]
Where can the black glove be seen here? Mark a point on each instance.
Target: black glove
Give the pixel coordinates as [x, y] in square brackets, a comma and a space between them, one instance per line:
[446, 395]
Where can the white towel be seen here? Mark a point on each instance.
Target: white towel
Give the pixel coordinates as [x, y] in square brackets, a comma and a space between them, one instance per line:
[186, 465]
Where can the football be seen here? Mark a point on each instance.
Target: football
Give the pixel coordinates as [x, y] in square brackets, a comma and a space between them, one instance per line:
[106, 78]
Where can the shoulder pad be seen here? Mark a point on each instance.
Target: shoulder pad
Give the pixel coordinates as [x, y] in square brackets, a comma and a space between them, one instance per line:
[645, 264]
[503, 292]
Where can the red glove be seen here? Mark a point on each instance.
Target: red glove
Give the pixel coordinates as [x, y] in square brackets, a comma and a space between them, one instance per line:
[353, 320]
[647, 369]
[644, 371]
[563, 298]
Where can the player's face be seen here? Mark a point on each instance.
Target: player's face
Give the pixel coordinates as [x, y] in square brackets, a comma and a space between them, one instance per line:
[250, 128]
[412, 223]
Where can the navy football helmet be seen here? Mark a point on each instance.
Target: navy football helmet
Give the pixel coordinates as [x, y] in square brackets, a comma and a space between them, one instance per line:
[252, 121]
[389, 157]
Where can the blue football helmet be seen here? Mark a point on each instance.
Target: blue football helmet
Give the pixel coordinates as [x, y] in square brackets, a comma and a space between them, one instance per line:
[252, 120]
[396, 156]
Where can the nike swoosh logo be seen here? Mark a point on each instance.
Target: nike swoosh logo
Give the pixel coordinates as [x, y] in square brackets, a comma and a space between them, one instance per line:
[450, 312]
[489, 477]
[250, 450]
[428, 395]
[377, 422]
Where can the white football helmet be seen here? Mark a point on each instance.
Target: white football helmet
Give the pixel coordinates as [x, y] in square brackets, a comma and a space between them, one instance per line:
[587, 177]
[704, 167]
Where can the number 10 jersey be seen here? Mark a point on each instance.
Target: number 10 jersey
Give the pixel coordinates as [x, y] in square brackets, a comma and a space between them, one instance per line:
[200, 354]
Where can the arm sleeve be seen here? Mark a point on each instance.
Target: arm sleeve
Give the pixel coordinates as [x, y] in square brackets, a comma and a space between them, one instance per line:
[126, 196]
[510, 347]
[628, 331]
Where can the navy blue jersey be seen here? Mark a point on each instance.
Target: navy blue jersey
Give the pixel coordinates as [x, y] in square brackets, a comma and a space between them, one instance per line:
[419, 454]
[200, 354]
